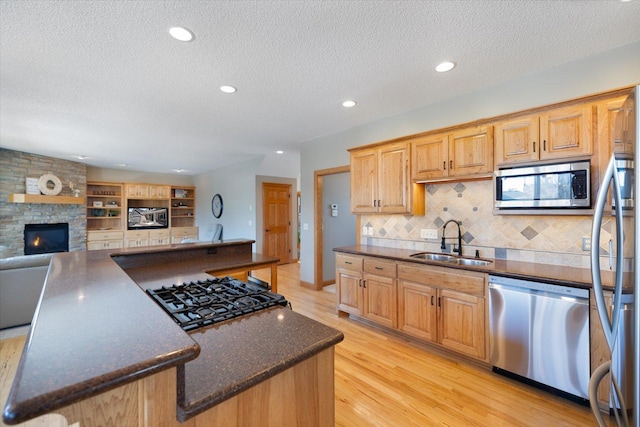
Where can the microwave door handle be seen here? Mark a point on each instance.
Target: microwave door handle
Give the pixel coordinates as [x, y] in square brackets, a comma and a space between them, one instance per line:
[608, 326]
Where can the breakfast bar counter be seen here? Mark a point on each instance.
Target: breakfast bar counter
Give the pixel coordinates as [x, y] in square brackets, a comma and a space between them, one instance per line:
[98, 338]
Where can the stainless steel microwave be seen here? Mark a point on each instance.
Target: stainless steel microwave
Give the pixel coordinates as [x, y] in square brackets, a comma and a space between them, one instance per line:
[561, 185]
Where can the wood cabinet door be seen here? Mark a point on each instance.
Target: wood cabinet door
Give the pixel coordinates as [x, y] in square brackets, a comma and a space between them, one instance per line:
[137, 191]
[393, 178]
[620, 125]
[380, 299]
[566, 132]
[349, 291]
[471, 151]
[429, 157]
[461, 323]
[364, 181]
[159, 191]
[417, 310]
[517, 140]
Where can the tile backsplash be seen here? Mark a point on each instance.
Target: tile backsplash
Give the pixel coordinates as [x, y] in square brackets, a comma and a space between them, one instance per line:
[545, 239]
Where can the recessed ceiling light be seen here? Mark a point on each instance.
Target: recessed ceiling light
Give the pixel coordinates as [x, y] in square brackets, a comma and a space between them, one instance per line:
[349, 104]
[179, 170]
[122, 165]
[181, 33]
[279, 152]
[80, 157]
[445, 66]
[228, 89]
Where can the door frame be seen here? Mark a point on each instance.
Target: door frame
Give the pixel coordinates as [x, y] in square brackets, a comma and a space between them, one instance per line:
[317, 224]
[289, 226]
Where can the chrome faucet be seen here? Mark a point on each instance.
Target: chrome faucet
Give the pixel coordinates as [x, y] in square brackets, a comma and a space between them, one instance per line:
[444, 227]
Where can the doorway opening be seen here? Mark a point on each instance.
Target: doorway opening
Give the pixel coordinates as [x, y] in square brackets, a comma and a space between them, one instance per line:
[319, 212]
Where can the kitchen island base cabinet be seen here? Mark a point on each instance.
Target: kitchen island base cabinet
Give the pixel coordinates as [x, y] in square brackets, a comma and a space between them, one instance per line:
[300, 396]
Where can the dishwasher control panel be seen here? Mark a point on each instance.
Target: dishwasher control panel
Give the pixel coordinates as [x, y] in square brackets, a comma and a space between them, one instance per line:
[538, 286]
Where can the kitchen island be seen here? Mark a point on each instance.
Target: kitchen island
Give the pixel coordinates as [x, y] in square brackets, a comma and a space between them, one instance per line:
[101, 352]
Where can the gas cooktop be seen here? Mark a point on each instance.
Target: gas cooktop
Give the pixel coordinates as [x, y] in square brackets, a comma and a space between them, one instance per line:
[196, 304]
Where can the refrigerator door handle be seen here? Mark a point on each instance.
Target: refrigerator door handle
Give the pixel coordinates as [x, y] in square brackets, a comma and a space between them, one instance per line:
[596, 378]
[609, 326]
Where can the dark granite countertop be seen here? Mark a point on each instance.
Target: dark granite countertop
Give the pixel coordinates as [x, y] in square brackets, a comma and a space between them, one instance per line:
[95, 329]
[555, 274]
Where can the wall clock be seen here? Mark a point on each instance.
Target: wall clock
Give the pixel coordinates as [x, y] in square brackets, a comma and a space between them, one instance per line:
[216, 206]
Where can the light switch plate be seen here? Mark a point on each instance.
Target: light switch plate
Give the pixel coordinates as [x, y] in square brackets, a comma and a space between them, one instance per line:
[365, 231]
[370, 231]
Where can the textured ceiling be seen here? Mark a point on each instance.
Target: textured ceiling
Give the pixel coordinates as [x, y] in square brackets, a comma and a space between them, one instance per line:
[104, 79]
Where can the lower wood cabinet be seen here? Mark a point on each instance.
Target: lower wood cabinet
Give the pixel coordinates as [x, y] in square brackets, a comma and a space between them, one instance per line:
[136, 239]
[349, 284]
[179, 234]
[97, 240]
[440, 305]
[159, 237]
[445, 306]
[379, 292]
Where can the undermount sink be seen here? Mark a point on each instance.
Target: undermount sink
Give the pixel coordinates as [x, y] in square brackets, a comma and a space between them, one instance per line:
[433, 257]
[451, 259]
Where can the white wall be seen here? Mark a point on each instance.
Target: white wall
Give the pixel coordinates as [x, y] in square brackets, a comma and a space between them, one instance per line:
[237, 186]
[612, 69]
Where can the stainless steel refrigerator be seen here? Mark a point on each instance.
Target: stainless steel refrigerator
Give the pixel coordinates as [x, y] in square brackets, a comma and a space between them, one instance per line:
[615, 205]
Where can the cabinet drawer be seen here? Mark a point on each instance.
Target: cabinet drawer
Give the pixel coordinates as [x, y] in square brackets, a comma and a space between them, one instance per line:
[445, 278]
[154, 234]
[349, 262]
[137, 234]
[104, 235]
[380, 267]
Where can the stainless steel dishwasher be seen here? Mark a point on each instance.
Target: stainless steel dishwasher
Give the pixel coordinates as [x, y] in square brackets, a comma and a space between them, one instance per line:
[540, 333]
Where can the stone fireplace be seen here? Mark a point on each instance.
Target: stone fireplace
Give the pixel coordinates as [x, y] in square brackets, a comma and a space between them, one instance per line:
[15, 166]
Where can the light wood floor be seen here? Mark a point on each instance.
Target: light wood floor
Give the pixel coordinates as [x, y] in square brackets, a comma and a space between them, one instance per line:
[383, 380]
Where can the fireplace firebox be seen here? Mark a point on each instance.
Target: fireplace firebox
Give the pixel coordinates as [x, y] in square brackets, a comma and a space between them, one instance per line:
[46, 238]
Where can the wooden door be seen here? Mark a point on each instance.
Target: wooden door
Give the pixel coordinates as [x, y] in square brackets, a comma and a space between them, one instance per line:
[364, 181]
[393, 178]
[276, 236]
[429, 156]
[380, 299]
[517, 140]
[471, 151]
[461, 323]
[417, 310]
[566, 132]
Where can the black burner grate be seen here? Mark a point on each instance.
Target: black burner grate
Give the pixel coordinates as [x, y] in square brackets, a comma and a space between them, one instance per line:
[196, 304]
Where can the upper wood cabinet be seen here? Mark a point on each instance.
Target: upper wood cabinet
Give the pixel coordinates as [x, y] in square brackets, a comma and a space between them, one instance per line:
[380, 181]
[147, 191]
[463, 153]
[558, 133]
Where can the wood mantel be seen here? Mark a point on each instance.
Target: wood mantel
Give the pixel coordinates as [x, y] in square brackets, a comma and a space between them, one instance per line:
[39, 198]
